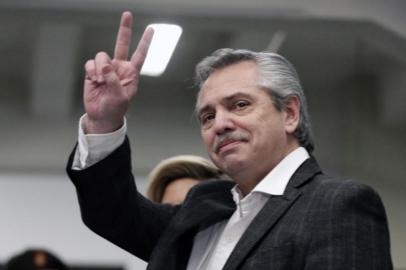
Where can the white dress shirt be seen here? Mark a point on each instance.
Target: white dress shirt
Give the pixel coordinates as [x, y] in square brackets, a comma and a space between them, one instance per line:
[212, 246]
[94, 147]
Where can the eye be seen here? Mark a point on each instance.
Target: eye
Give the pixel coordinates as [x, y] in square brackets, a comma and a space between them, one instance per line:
[241, 104]
[206, 118]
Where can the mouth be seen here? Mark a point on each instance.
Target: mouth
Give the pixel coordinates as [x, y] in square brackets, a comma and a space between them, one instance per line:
[227, 145]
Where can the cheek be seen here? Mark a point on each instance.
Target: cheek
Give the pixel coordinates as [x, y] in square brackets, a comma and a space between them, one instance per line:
[207, 139]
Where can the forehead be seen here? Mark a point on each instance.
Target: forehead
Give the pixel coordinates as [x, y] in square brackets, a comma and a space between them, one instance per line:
[241, 77]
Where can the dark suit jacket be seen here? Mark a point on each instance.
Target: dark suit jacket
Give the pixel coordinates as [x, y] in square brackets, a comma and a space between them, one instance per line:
[319, 223]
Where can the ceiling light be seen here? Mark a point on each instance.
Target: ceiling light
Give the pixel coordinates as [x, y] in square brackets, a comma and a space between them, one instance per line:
[163, 44]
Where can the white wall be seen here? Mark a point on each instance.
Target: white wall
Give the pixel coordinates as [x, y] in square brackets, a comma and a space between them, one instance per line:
[42, 211]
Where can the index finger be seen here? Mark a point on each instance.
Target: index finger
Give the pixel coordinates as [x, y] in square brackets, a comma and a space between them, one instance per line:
[123, 36]
[138, 57]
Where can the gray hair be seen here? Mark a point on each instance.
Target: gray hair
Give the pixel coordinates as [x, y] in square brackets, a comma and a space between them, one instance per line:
[278, 77]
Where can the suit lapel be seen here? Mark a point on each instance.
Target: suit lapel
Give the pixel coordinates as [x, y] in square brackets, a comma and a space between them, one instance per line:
[262, 223]
[213, 204]
[271, 213]
[210, 203]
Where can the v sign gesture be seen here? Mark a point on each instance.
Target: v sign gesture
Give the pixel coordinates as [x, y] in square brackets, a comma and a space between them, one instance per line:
[110, 84]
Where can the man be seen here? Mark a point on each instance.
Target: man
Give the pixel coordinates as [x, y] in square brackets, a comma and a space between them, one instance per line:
[282, 212]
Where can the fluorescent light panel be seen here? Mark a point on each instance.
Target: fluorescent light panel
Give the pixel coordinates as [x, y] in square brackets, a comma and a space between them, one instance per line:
[163, 44]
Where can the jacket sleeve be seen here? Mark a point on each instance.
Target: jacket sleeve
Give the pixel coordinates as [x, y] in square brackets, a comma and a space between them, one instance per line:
[112, 207]
[350, 231]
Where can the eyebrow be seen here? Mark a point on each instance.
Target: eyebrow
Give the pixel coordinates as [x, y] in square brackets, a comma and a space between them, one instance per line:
[237, 95]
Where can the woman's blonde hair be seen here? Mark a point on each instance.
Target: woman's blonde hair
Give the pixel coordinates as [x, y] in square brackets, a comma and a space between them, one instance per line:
[177, 167]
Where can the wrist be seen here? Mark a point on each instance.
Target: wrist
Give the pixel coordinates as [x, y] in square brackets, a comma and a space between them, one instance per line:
[91, 126]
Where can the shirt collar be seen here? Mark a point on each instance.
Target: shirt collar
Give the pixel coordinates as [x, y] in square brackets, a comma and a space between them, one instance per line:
[277, 179]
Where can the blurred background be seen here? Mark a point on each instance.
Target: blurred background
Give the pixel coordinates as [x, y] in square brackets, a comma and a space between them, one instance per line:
[350, 55]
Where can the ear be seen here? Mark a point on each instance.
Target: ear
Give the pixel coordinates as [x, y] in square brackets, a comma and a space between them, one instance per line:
[292, 114]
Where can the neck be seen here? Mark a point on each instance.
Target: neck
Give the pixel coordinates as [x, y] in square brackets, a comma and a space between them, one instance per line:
[248, 178]
[247, 185]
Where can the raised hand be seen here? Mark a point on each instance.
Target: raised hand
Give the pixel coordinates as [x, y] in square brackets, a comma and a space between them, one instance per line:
[110, 84]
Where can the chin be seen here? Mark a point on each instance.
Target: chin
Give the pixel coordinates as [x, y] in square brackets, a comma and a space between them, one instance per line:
[230, 165]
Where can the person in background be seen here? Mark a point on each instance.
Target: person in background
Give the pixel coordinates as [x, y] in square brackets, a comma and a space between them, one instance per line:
[172, 178]
[35, 259]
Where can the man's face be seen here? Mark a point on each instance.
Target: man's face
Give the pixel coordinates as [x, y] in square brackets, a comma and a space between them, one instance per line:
[240, 126]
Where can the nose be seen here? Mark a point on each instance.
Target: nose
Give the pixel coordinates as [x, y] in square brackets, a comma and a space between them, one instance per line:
[223, 123]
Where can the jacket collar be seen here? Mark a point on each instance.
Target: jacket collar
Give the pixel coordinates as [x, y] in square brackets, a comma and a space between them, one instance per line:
[273, 210]
[205, 205]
